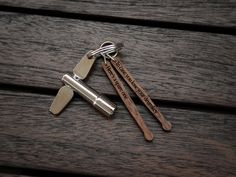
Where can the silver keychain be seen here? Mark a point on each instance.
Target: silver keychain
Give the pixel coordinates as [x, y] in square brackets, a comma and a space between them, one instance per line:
[112, 65]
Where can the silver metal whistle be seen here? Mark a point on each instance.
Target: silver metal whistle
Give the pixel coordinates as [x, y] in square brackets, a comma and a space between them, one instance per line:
[99, 101]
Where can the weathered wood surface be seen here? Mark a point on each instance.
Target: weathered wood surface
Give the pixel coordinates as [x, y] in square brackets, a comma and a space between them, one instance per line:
[219, 13]
[174, 65]
[80, 140]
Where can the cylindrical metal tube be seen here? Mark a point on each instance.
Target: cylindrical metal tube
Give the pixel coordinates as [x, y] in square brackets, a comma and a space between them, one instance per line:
[98, 101]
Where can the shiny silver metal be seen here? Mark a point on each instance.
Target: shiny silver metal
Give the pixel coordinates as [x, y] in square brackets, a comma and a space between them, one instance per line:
[106, 48]
[64, 96]
[98, 101]
[83, 68]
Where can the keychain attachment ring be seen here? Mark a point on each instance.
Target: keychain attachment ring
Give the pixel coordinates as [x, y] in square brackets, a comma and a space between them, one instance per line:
[107, 49]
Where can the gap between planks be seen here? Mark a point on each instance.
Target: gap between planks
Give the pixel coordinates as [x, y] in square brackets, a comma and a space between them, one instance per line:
[161, 103]
[122, 20]
[188, 11]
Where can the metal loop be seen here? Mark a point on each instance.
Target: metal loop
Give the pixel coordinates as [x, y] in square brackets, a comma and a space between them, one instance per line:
[108, 50]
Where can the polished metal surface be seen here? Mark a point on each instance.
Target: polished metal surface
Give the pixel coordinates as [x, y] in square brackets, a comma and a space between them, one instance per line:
[84, 66]
[64, 95]
[98, 101]
[106, 48]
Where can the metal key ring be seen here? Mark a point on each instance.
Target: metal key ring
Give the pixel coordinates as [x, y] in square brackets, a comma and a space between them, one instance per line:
[106, 49]
[110, 53]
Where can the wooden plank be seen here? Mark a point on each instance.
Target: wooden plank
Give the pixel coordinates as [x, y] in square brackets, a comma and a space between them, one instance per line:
[80, 140]
[170, 64]
[217, 13]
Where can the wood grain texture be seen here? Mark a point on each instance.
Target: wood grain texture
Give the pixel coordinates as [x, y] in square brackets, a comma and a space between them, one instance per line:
[220, 13]
[80, 140]
[170, 64]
